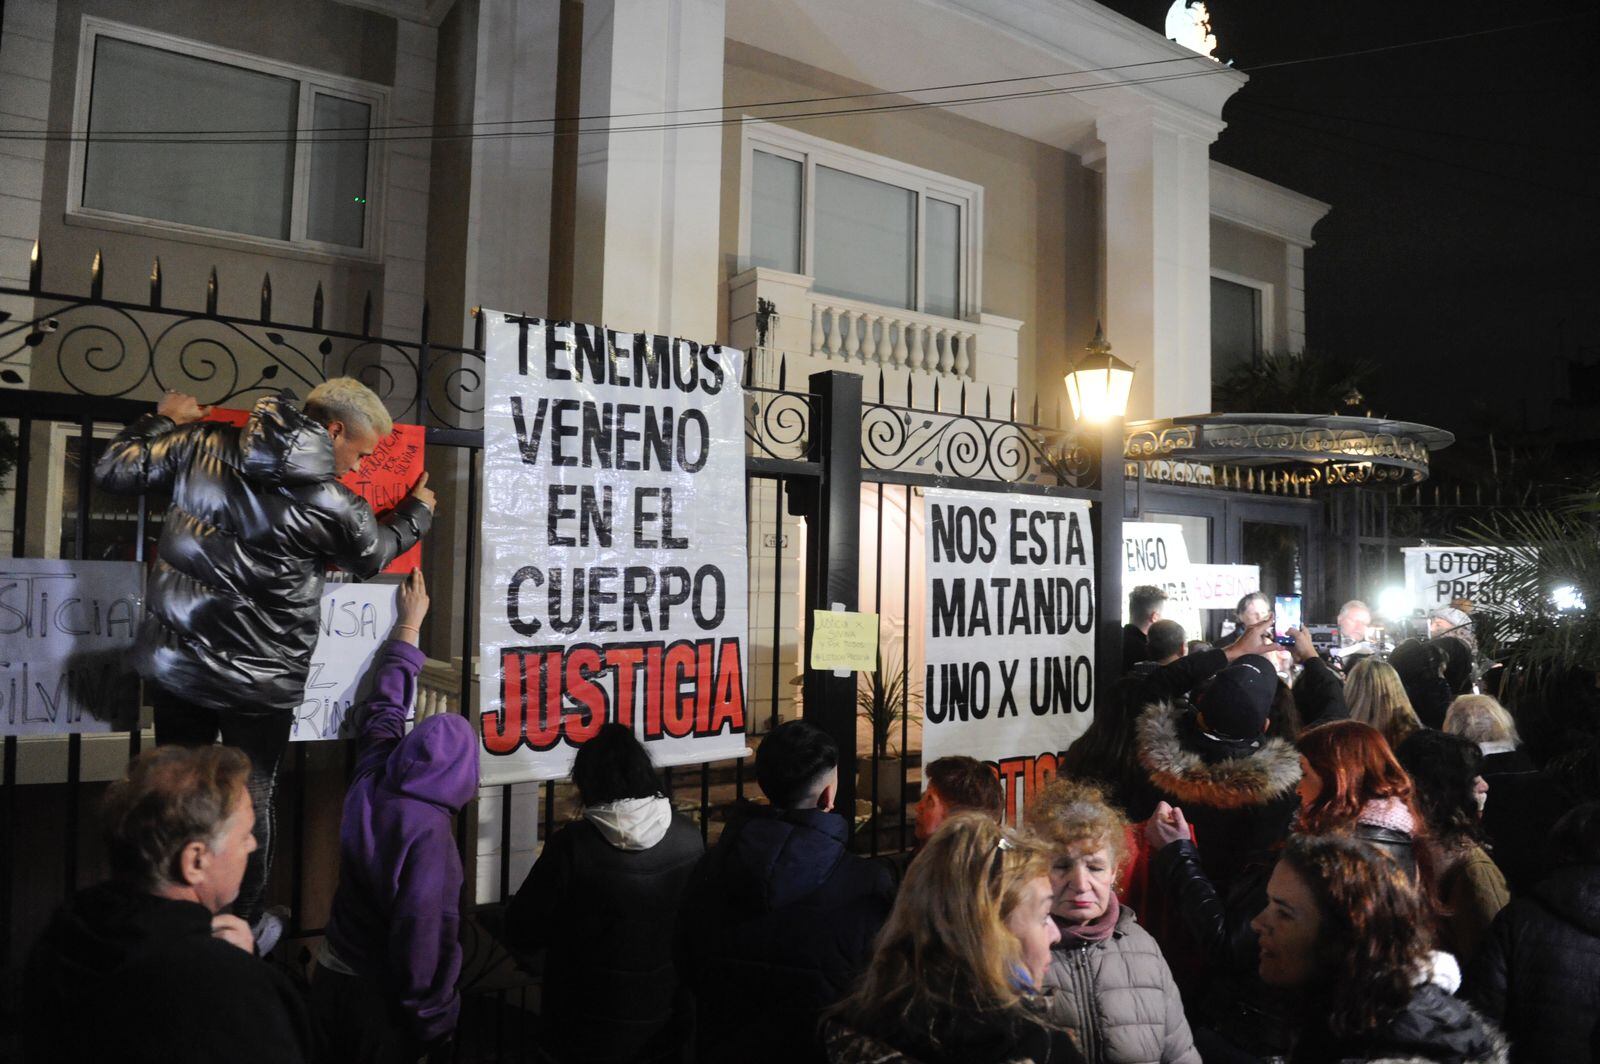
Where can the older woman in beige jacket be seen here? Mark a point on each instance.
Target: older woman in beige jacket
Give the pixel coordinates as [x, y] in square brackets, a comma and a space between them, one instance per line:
[1109, 983]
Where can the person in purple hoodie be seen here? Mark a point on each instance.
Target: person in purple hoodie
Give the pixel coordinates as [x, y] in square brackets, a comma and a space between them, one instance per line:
[384, 986]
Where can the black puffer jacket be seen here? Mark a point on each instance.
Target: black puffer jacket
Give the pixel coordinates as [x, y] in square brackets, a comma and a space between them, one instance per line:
[777, 924]
[1538, 973]
[232, 605]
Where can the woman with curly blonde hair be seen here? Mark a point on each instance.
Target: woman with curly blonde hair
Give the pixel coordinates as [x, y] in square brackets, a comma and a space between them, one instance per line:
[1376, 696]
[958, 966]
[1110, 985]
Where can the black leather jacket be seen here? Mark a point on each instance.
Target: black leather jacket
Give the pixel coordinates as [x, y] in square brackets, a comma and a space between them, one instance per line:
[232, 603]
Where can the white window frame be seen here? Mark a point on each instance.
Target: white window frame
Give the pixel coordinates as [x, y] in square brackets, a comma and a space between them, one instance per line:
[812, 151]
[1268, 337]
[311, 82]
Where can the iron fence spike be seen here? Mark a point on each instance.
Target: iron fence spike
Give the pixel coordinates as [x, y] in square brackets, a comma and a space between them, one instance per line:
[211, 293]
[266, 298]
[97, 276]
[36, 268]
[155, 282]
[366, 315]
[316, 308]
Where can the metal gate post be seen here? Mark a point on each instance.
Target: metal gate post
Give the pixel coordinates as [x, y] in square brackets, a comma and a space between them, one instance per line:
[1107, 526]
[833, 541]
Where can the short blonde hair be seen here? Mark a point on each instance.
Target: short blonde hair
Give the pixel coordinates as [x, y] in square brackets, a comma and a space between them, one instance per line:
[348, 400]
[1481, 719]
[1071, 815]
[1376, 696]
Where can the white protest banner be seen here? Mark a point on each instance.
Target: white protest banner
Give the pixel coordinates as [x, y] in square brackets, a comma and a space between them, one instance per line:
[1437, 575]
[1009, 633]
[614, 560]
[1220, 587]
[356, 619]
[1154, 553]
[67, 631]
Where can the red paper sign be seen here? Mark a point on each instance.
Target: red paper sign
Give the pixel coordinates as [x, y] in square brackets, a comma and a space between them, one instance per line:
[386, 476]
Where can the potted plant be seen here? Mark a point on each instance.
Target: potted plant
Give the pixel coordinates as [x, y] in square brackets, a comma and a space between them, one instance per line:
[885, 699]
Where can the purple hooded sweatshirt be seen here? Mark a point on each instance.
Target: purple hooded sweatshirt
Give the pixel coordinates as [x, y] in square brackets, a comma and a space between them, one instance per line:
[396, 914]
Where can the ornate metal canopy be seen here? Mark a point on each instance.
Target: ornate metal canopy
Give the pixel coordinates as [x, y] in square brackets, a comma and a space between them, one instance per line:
[1298, 451]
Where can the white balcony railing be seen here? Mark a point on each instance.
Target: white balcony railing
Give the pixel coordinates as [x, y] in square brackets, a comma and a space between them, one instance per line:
[850, 331]
[813, 330]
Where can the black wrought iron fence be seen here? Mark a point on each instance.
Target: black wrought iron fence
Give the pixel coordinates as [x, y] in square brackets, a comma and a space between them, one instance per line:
[91, 365]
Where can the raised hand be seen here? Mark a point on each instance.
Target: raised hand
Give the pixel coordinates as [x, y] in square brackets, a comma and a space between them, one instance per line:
[181, 408]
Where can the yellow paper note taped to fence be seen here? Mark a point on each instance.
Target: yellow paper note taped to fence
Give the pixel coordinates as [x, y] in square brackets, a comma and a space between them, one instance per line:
[841, 640]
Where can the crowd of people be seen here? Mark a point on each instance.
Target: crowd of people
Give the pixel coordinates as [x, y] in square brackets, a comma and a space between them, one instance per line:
[1256, 852]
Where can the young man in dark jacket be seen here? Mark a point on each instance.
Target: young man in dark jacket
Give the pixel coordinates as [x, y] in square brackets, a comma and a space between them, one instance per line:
[149, 968]
[602, 900]
[233, 600]
[385, 983]
[779, 920]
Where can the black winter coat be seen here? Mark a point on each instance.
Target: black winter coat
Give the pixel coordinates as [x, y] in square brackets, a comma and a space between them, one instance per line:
[124, 975]
[1319, 694]
[1239, 796]
[777, 924]
[1433, 1027]
[232, 606]
[1235, 1003]
[607, 916]
[1538, 973]
[1521, 810]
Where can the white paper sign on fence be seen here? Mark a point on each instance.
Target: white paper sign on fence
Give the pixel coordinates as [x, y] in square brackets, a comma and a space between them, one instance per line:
[1220, 587]
[356, 619]
[1010, 668]
[67, 631]
[614, 568]
[1154, 552]
[1437, 575]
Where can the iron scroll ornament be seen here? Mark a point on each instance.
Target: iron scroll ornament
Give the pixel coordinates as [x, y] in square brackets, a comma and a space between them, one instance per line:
[112, 350]
[967, 446]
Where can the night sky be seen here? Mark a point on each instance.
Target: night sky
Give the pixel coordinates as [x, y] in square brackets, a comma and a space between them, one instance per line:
[1463, 249]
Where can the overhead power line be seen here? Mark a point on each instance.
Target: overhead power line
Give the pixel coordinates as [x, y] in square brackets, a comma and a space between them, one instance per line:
[563, 127]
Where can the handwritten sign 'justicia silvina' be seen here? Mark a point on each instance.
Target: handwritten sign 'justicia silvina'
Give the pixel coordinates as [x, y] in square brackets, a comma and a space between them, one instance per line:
[67, 632]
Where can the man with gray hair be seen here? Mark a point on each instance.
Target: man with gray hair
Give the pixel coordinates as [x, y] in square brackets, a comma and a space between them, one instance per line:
[149, 966]
[233, 602]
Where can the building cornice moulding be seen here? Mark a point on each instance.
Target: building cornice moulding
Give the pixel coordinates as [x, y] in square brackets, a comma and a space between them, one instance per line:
[1258, 204]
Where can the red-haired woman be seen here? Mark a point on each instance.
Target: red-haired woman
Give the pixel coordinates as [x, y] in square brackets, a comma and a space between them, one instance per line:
[1344, 930]
[1351, 784]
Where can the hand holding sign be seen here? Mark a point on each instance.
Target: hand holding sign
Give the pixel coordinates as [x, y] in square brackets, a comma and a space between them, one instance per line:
[424, 494]
[181, 408]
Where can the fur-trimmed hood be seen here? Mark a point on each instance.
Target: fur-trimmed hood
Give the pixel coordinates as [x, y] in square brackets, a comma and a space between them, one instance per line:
[1253, 776]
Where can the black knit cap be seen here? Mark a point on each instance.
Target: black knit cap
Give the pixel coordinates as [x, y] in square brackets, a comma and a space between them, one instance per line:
[1239, 700]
